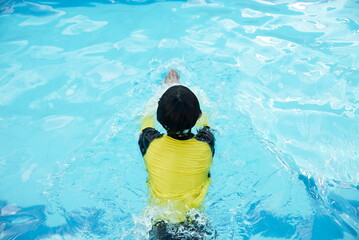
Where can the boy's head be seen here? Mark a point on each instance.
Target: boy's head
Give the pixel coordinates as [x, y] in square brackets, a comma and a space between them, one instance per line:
[178, 110]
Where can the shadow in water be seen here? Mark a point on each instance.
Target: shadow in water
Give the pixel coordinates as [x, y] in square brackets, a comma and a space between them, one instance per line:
[30, 223]
[328, 222]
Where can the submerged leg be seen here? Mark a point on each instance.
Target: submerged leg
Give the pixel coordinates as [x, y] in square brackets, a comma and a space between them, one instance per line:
[162, 231]
[172, 77]
[190, 229]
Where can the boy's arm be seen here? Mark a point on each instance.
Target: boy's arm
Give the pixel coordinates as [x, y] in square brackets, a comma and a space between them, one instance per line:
[205, 134]
[147, 122]
[148, 133]
[203, 121]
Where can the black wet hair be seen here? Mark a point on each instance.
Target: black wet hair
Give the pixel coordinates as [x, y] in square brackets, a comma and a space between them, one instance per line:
[178, 109]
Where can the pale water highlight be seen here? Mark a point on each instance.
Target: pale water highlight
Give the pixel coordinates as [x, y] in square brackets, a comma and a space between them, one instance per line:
[282, 82]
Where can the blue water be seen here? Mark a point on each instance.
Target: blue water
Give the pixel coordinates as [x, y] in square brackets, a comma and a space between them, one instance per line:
[282, 81]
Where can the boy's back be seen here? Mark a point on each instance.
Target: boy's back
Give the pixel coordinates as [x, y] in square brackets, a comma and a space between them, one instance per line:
[178, 169]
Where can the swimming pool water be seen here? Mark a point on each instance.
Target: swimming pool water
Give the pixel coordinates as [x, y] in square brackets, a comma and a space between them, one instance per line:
[282, 81]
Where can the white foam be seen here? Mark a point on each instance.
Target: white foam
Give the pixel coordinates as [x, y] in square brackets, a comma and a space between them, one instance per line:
[56, 122]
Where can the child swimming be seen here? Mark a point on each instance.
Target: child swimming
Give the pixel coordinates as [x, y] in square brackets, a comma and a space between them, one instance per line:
[178, 163]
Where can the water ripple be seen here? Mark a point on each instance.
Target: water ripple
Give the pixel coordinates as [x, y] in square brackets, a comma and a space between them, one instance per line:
[282, 78]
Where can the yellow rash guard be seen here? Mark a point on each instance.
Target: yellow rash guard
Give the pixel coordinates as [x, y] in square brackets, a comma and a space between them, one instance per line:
[178, 170]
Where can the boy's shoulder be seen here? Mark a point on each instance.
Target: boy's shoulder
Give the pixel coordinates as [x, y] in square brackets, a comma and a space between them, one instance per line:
[146, 137]
[205, 134]
[149, 134]
[149, 131]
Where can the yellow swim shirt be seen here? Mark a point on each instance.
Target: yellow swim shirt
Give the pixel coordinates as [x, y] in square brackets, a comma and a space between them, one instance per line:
[178, 170]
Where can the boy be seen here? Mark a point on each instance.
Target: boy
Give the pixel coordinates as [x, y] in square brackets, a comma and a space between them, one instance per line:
[178, 163]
